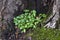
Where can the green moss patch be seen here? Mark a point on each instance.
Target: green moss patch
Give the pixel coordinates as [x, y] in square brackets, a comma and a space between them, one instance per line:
[45, 34]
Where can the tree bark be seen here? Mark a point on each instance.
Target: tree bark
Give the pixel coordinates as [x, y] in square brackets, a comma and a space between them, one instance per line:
[7, 11]
[55, 15]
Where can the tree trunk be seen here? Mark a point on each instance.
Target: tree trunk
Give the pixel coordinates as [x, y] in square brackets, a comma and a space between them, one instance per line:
[7, 10]
[53, 19]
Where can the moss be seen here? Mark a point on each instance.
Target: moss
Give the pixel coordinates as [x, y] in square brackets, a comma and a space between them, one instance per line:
[45, 34]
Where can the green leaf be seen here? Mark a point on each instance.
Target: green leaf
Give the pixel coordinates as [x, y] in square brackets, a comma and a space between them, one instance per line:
[24, 30]
[26, 11]
[27, 20]
[34, 26]
[26, 26]
[29, 17]
[26, 14]
[44, 15]
[17, 17]
[33, 11]
[19, 21]
[21, 28]
[16, 23]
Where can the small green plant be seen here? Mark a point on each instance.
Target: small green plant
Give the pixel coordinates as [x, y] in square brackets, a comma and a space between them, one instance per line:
[27, 20]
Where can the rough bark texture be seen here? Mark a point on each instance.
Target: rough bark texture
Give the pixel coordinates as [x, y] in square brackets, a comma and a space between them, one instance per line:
[54, 18]
[8, 9]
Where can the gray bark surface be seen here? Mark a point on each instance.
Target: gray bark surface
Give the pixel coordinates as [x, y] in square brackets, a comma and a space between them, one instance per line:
[7, 11]
[55, 15]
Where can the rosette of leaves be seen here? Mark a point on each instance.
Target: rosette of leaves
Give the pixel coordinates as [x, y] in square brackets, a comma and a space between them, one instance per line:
[26, 20]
